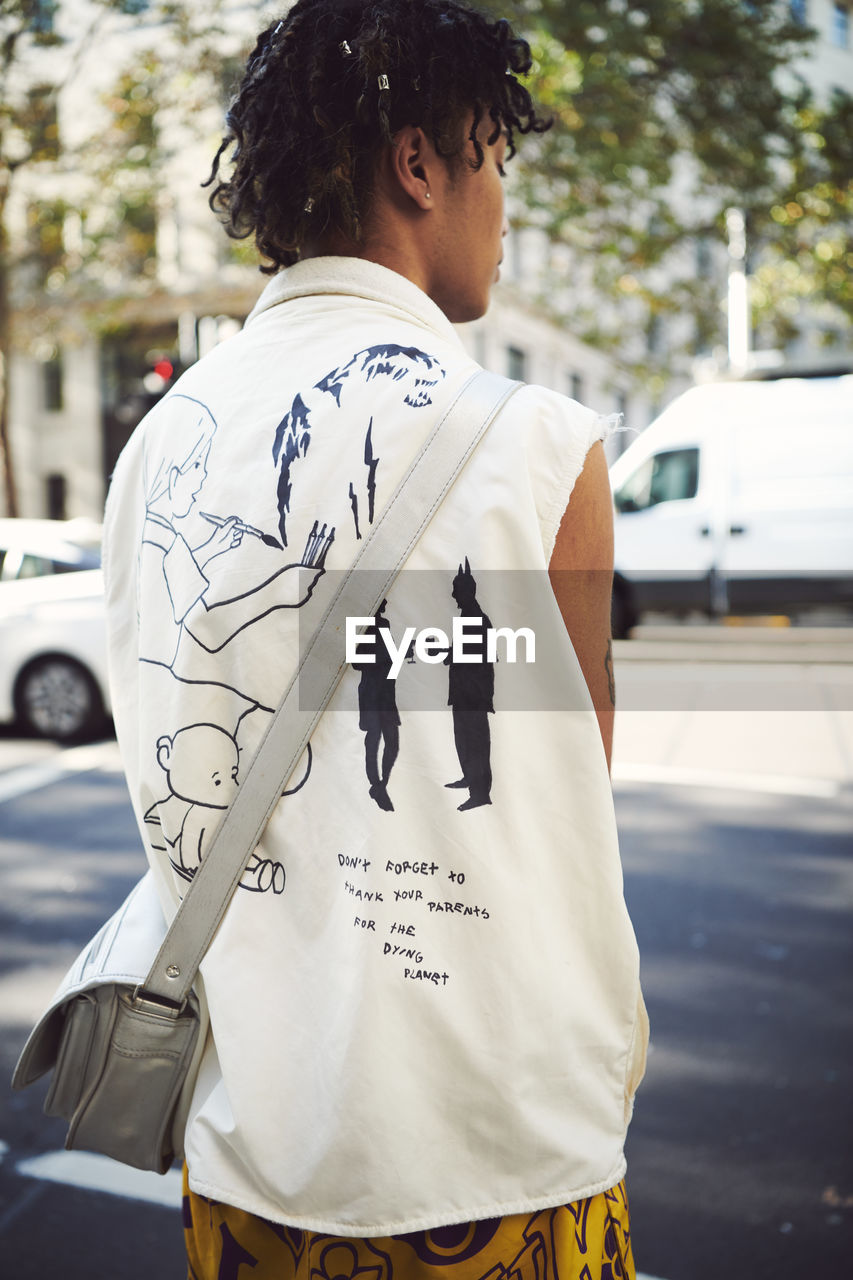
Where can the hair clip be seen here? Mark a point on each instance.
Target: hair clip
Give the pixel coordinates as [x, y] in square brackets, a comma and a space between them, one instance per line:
[416, 84]
[345, 49]
[309, 205]
[279, 27]
[383, 82]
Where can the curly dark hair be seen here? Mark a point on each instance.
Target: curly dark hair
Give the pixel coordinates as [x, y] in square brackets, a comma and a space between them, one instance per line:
[329, 85]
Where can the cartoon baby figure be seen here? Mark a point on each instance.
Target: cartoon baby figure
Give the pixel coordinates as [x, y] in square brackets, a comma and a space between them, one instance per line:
[201, 763]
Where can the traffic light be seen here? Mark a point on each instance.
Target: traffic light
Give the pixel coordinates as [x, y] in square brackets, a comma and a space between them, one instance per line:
[160, 375]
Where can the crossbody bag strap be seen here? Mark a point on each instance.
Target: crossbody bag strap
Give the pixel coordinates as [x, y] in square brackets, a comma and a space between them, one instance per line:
[360, 594]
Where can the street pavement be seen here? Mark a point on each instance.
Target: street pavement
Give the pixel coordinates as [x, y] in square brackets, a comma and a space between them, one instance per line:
[761, 708]
[735, 822]
[733, 777]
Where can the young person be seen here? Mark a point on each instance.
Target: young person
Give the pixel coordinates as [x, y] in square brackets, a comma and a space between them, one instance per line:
[427, 1027]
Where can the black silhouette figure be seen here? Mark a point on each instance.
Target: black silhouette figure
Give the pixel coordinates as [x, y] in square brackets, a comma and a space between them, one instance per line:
[471, 695]
[378, 719]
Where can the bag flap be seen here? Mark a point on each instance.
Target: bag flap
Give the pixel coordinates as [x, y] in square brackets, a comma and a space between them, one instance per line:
[122, 951]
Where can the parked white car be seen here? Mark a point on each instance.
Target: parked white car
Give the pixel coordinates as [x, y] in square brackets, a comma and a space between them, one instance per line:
[738, 499]
[33, 548]
[53, 654]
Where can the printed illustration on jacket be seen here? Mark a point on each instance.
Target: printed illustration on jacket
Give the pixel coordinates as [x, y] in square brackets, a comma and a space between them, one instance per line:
[185, 572]
[201, 764]
[210, 574]
[471, 689]
[417, 375]
[193, 613]
[378, 717]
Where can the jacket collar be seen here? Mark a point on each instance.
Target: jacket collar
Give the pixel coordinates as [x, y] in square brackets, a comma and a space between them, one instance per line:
[355, 278]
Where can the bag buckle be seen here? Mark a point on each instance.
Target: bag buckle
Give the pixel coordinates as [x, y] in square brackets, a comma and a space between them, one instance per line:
[147, 1003]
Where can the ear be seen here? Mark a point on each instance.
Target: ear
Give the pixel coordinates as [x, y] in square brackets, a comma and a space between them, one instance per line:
[414, 165]
[164, 752]
[467, 567]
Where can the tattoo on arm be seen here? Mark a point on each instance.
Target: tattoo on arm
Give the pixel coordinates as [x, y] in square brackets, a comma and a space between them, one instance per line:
[608, 667]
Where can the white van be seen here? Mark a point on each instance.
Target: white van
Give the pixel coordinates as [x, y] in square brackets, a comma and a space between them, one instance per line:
[738, 499]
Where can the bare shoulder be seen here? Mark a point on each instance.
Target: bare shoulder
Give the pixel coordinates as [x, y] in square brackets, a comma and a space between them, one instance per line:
[585, 537]
[581, 573]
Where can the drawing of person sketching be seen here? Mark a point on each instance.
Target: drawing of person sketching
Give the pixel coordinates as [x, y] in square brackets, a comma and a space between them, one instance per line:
[180, 572]
[201, 763]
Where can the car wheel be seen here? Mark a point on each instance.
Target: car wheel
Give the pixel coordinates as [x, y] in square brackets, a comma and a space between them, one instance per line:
[56, 697]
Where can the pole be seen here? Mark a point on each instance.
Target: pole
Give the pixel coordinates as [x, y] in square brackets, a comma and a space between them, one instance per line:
[10, 492]
[738, 292]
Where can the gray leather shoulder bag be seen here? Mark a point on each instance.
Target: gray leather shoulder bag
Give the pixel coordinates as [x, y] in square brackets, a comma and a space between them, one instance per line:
[124, 1034]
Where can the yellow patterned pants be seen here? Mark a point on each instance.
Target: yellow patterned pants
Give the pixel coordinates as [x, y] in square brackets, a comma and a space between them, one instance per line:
[587, 1240]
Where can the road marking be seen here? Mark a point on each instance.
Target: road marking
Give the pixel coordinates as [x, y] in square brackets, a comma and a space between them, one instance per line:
[98, 1173]
[84, 759]
[774, 783]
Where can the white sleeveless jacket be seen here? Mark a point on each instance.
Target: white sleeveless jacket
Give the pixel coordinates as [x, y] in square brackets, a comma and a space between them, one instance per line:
[424, 996]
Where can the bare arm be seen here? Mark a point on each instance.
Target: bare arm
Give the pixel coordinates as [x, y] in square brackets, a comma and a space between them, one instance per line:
[581, 572]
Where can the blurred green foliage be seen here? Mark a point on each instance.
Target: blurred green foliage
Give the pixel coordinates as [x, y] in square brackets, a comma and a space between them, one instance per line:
[667, 112]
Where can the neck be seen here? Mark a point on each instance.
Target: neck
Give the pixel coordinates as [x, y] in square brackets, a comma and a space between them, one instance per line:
[390, 254]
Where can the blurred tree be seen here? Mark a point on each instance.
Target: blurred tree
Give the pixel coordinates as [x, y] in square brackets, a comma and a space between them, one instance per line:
[666, 113]
[101, 235]
[805, 237]
[28, 132]
[127, 162]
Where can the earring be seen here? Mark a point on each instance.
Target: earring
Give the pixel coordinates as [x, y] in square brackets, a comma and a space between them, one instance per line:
[428, 196]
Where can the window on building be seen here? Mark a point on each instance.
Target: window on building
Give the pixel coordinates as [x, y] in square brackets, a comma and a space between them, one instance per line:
[704, 260]
[138, 237]
[45, 233]
[576, 386]
[705, 333]
[52, 383]
[513, 252]
[654, 334]
[671, 476]
[40, 17]
[799, 11]
[42, 123]
[840, 25]
[132, 130]
[56, 489]
[133, 107]
[516, 363]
